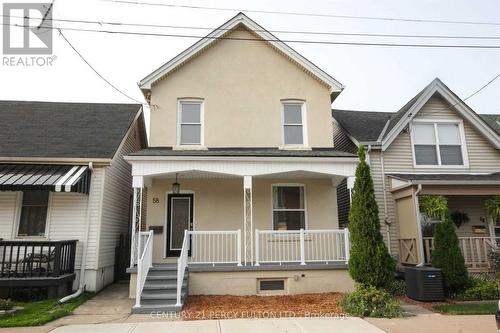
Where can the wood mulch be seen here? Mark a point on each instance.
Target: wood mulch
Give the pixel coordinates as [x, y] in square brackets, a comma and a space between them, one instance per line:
[229, 307]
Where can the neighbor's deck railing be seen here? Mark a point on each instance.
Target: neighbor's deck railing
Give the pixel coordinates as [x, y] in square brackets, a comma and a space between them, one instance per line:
[144, 263]
[32, 258]
[301, 246]
[474, 249]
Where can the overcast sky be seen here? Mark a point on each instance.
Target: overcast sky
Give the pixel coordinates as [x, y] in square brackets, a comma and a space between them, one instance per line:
[376, 78]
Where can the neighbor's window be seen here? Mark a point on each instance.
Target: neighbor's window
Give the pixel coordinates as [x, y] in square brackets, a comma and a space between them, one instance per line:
[293, 129]
[190, 123]
[33, 213]
[437, 144]
[288, 207]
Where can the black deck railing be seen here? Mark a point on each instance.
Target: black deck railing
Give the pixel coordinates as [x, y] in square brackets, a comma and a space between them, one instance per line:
[33, 258]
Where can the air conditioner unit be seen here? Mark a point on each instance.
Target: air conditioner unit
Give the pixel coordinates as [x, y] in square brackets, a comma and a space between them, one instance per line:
[424, 283]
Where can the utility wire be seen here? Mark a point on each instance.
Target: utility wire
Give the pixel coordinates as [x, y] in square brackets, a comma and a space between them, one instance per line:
[95, 71]
[273, 39]
[302, 32]
[144, 3]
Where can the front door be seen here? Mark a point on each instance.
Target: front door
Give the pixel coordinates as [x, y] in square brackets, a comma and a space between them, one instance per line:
[179, 218]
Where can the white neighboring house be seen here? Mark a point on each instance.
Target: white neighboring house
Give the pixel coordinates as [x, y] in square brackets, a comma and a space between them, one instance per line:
[64, 187]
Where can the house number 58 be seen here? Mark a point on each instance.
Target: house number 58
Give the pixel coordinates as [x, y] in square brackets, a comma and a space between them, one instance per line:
[156, 200]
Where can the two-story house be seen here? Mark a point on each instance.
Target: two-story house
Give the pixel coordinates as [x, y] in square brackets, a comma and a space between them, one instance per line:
[434, 145]
[237, 192]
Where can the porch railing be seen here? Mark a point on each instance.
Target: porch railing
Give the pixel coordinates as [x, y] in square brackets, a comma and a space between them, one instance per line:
[301, 246]
[215, 247]
[30, 258]
[474, 249]
[182, 263]
[144, 263]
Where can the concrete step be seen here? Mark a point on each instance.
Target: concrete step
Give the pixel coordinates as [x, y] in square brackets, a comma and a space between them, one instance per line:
[148, 309]
[163, 295]
[163, 285]
[164, 267]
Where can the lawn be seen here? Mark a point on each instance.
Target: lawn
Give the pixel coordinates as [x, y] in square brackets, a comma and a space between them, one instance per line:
[39, 313]
[467, 308]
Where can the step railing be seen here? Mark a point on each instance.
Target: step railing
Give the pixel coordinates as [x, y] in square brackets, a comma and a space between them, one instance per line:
[215, 247]
[301, 246]
[144, 263]
[182, 263]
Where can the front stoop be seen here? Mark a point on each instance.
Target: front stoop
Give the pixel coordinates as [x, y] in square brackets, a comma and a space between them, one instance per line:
[160, 290]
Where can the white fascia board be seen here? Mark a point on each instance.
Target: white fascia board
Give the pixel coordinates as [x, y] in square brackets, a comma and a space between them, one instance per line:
[242, 158]
[241, 18]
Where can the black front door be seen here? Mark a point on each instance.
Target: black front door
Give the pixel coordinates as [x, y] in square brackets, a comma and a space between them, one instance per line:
[179, 218]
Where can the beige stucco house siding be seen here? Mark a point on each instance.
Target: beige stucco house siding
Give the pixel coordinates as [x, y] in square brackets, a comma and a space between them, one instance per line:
[242, 84]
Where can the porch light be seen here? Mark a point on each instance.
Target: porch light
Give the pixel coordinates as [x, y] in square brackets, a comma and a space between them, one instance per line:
[176, 187]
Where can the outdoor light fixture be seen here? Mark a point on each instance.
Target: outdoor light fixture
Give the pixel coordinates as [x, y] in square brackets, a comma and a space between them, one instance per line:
[176, 187]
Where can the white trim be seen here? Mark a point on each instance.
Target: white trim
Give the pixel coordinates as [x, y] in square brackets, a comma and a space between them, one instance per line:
[303, 115]
[435, 123]
[226, 28]
[201, 102]
[312, 159]
[436, 86]
[306, 222]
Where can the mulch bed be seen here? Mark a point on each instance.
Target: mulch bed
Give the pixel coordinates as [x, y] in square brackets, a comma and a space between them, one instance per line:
[229, 307]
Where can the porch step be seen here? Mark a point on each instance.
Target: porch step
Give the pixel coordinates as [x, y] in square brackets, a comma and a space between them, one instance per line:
[160, 290]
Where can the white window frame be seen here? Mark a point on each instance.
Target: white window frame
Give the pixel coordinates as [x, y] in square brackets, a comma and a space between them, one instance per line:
[435, 123]
[18, 218]
[306, 224]
[200, 101]
[303, 111]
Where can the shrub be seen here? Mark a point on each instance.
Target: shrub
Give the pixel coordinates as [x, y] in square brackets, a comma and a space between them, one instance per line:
[397, 287]
[6, 304]
[494, 258]
[447, 256]
[369, 263]
[368, 301]
[480, 290]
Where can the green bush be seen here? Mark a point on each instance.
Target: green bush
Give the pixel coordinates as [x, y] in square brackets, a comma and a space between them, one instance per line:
[6, 304]
[448, 256]
[369, 263]
[480, 290]
[397, 287]
[368, 301]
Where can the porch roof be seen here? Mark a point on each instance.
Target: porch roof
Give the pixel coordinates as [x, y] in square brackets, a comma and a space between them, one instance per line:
[39, 177]
[449, 179]
[243, 152]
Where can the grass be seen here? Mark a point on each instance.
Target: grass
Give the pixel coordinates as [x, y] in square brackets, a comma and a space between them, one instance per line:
[42, 312]
[467, 308]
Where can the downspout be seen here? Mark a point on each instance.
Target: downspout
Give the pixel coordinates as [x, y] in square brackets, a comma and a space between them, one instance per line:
[384, 193]
[81, 288]
[419, 227]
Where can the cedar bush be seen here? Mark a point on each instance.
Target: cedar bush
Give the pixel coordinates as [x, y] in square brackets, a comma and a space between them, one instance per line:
[448, 257]
[369, 263]
[480, 290]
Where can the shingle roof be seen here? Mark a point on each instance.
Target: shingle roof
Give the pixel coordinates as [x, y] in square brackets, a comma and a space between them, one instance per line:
[362, 125]
[63, 130]
[416, 178]
[249, 152]
[493, 120]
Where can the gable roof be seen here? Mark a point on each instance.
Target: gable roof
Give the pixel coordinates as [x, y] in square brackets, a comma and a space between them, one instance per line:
[64, 130]
[382, 127]
[240, 20]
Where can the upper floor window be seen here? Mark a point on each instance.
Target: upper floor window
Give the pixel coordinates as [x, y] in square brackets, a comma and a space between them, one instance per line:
[293, 123]
[190, 122]
[33, 213]
[438, 144]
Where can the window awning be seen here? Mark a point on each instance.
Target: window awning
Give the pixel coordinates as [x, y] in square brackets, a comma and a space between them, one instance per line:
[44, 177]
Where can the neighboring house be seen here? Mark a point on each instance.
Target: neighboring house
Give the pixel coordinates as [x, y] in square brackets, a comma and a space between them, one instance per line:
[435, 144]
[241, 160]
[64, 187]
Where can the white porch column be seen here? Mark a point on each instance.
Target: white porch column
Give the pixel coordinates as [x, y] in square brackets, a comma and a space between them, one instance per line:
[247, 219]
[136, 225]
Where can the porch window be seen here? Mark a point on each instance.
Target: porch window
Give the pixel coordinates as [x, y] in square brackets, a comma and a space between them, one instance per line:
[33, 213]
[293, 129]
[438, 144]
[190, 123]
[288, 207]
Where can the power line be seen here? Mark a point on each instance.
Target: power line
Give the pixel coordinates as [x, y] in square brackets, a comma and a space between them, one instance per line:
[302, 41]
[303, 32]
[144, 3]
[95, 71]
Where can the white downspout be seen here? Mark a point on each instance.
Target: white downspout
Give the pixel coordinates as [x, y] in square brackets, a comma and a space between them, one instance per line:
[384, 193]
[81, 288]
[419, 227]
